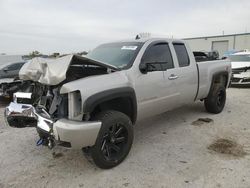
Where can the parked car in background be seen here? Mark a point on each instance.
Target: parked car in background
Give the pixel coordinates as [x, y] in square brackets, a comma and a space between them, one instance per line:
[9, 76]
[241, 69]
[228, 53]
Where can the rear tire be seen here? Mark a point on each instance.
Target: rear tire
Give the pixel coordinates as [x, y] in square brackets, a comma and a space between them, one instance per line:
[216, 99]
[114, 140]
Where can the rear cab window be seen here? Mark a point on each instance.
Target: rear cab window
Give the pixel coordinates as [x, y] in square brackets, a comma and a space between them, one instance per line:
[182, 54]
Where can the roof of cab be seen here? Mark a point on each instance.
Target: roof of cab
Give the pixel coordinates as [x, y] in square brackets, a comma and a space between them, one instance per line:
[143, 40]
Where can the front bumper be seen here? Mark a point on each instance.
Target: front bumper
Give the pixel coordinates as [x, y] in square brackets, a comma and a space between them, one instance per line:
[241, 79]
[20, 115]
[77, 134]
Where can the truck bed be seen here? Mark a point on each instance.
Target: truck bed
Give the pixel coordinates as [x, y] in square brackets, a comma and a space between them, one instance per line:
[205, 71]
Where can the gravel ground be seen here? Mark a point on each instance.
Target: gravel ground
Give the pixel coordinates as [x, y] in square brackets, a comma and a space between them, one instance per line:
[168, 151]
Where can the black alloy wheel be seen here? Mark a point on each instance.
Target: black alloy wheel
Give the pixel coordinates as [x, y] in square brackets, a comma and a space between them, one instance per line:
[114, 140]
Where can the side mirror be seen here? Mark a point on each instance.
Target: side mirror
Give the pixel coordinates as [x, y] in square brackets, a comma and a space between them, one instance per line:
[151, 67]
[143, 67]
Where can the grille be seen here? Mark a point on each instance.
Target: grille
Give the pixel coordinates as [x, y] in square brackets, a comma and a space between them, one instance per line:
[236, 79]
[24, 101]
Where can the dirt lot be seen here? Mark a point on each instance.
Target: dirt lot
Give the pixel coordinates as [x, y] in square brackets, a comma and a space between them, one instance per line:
[170, 150]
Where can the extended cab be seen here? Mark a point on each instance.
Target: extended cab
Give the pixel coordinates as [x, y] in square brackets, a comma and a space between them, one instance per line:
[94, 101]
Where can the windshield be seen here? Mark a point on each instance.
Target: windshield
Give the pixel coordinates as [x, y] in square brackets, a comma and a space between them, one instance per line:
[236, 58]
[120, 54]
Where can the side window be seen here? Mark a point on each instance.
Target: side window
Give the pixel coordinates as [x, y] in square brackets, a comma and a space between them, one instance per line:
[15, 66]
[160, 55]
[182, 54]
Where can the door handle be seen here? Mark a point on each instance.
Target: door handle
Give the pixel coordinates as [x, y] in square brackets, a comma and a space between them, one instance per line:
[173, 77]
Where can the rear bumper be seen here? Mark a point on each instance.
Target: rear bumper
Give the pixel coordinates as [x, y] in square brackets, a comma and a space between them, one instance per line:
[78, 134]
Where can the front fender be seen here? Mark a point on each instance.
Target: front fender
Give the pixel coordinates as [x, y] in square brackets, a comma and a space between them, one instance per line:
[124, 92]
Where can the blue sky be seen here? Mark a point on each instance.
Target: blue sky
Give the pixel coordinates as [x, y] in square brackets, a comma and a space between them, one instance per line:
[76, 25]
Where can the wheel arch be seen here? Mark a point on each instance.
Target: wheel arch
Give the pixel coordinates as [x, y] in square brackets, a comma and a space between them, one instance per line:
[219, 77]
[120, 99]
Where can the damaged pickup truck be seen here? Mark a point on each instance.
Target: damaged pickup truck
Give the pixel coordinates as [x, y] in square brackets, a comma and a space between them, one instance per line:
[94, 101]
[241, 69]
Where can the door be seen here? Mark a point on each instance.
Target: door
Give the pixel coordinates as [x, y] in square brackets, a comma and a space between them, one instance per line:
[154, 94]
[186, 75]
[220, 46]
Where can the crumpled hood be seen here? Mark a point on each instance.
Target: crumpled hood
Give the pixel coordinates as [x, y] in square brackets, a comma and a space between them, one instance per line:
[53, 71]
[95, 83]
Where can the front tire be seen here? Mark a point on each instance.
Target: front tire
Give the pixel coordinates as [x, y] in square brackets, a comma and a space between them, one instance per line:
[216, 99]
[114, 140]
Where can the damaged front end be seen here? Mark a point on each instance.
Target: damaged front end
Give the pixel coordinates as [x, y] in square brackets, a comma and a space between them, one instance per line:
[58, 118]
[40, 108]
[241, 77]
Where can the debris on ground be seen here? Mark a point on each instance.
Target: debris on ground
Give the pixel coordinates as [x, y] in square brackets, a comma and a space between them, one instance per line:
[227, 146]
[125, 184]
[202, 121]
[183, 161]
[50, 166]
[57, 155]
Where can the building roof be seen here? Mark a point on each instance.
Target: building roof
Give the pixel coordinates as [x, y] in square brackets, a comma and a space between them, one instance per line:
[216, 36]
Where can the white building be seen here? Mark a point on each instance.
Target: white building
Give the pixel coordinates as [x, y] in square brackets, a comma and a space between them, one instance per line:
[221, 43]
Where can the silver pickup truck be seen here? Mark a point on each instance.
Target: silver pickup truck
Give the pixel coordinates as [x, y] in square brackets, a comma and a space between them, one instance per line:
[94, 101]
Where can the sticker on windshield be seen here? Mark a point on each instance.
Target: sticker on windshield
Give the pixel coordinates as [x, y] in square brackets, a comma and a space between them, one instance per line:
[129, 48]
